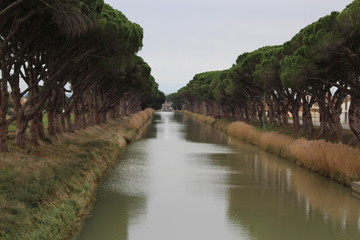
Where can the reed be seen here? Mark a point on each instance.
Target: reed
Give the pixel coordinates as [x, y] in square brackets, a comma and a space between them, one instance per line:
[137, 120]
[336, 161]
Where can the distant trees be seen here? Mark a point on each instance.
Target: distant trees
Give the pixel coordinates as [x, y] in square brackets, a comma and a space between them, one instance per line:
[320, 64]
[73, 57]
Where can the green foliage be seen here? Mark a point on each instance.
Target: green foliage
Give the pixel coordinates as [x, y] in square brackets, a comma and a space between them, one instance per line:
[204, 84]
[129, 35]
[175, 99]
[155, 100]
[312, 55]
[349, 20]
[91, 8]
[267, 71]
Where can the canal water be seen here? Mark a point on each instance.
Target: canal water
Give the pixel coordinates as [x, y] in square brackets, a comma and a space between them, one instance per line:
[186, 181]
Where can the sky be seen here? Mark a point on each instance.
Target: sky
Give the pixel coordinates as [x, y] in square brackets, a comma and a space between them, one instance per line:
[186, 37]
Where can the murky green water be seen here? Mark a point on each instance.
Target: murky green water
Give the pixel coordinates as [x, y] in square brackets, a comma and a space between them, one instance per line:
[187, 181]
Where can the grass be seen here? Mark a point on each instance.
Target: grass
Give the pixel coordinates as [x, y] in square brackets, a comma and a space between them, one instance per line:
[12, 126]
[45, 194]
[336, 161]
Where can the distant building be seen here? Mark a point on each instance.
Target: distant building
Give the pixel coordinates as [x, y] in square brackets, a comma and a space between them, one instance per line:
[167, 106]
[315, 111]
[344, 117]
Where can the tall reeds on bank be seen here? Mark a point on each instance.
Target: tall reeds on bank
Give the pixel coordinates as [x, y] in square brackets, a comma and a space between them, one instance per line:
[333, 160]
[138, 119]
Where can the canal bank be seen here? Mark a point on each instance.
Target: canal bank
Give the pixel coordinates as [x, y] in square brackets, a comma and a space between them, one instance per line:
[332, 160]
[45, 190]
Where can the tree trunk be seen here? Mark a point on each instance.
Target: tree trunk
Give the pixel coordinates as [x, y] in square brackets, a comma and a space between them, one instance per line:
[58, 123]
[296, 120]
[33, 131]
[294, 109]
[69, 124]
[112, 113]
[323, 126]
[252, 113]
[271, 113]
[354, 116]
[238, 114]
[3, 110]
[40, 126]
[83, 120]
[122, 108]
[63, 122]
[51, 122]
[307, 119]
[20, 139]
[77, 117]
[103, 117]
[285, 118]
[16, 98]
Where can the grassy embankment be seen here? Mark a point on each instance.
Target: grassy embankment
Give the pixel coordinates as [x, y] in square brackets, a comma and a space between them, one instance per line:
[336, 161]
[45, 190]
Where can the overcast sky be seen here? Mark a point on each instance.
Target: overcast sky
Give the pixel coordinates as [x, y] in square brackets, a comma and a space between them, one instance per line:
[186, 37]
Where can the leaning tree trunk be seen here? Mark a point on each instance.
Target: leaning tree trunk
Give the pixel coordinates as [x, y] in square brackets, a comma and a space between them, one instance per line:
[4, 98]
[58, 129]
[284, 118]
[354, 116]
[252, 113]
[296, 119]
[51, 113]
[112, 113]
[271, 113]
[33, 130]
[20, 139]
[307, 118]
[21, 123]
[37, 129]
[51, 122]
[335, 123]
[69, 124]
[40, 126]
[34, 123]
[294, 109]
[63, 122]
[77, 116]
[324, 121]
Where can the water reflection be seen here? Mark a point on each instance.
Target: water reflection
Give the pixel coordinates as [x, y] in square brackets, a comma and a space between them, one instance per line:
[184, 180]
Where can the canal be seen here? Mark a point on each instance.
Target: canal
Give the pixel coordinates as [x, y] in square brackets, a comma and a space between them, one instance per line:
[186, 181]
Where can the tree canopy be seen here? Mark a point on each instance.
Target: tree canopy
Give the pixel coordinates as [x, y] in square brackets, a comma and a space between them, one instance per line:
[74, 58]
[319, 65]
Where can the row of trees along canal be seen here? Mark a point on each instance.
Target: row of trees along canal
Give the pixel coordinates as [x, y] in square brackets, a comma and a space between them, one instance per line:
[75, 57]
[320, 64]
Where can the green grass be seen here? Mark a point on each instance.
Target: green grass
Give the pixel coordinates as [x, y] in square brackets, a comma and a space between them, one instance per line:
[12, 126]
[267, 127]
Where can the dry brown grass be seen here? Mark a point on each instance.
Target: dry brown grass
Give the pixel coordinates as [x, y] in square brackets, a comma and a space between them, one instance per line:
[244, 132]
[137, 120]
[275, 143]
[220, 125]
[203, 118]
[336, 161]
